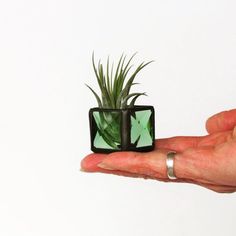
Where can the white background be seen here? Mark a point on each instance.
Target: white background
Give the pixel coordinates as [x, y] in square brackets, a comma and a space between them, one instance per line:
[45, 60]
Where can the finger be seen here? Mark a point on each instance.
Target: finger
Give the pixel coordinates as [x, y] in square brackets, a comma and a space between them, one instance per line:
[94, 163]
[196, 164]
[181, 143]
[213, 187]
[151, 164]
[177, 144]
[222, 121]
[218, 188]
[90, 164]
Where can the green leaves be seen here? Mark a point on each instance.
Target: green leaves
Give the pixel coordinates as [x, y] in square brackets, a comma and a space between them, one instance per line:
[115, 89]
[96, 96]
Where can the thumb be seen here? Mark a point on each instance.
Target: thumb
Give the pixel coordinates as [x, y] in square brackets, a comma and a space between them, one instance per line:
[222, 121]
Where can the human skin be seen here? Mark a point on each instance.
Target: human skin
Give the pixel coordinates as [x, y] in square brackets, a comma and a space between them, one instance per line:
[208, 161]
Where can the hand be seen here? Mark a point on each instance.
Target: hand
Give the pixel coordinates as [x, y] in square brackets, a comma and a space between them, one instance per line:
[209, 161]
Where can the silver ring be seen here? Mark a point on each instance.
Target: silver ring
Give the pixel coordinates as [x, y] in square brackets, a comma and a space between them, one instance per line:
[170, 165]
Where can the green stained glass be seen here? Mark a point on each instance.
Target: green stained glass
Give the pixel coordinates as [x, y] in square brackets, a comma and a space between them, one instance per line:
[141, 131]
[130, 129]
[108, 130]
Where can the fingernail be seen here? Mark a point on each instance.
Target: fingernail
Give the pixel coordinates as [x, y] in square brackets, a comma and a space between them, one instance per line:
[104, 166]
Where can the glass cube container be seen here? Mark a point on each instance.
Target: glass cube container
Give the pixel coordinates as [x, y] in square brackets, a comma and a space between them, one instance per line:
[130, 129]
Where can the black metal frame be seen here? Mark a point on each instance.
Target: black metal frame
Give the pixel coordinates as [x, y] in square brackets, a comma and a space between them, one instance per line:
[125, 129]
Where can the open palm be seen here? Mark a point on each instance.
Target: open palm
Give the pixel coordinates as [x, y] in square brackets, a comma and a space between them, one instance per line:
[209, 161]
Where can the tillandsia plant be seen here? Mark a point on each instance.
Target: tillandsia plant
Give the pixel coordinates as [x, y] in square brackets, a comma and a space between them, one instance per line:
[115, 86]
[115, 89]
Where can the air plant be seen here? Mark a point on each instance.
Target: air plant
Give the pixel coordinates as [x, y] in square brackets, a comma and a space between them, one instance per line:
[115, 86]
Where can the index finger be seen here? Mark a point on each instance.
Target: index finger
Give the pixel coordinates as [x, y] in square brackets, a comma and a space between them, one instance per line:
[134, 164]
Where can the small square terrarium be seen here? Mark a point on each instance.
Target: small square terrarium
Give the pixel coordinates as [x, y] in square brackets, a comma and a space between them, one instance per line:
[130, 129]
[117, 124]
